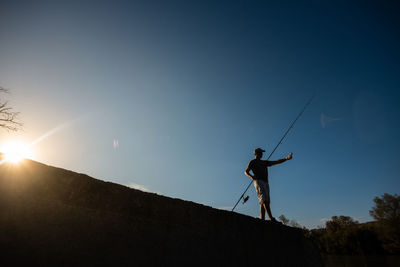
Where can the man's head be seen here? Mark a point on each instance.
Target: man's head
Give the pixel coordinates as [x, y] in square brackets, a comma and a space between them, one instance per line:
[258, 153]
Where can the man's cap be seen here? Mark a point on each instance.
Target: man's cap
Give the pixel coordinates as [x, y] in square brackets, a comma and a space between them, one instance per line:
[258, 150]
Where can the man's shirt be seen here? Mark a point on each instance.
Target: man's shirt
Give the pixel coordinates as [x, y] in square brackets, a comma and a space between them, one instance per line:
[259, 169]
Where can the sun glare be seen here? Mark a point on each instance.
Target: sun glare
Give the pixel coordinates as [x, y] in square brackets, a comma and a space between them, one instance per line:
[15, 152]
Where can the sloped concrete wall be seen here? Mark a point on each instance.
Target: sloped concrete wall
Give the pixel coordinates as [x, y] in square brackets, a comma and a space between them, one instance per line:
[53, 216]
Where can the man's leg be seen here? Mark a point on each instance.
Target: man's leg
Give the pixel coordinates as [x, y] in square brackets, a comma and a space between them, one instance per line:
[267, 202]
[268, 209]
[262, 212]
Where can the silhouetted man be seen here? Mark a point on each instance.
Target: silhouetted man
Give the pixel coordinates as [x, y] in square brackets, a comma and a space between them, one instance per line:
[259, 168]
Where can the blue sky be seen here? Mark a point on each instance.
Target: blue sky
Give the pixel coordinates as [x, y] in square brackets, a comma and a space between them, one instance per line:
[173, 96]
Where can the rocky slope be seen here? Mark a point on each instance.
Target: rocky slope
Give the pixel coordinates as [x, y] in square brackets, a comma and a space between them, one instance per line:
[52, 216]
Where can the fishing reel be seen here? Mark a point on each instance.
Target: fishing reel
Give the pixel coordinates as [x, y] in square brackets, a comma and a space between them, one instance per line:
[245, 199]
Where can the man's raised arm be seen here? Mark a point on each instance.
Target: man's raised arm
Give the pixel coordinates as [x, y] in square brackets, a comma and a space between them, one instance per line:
[279, 161]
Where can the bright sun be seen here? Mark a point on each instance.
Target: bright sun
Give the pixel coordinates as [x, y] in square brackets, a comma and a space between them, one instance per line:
[15, 151]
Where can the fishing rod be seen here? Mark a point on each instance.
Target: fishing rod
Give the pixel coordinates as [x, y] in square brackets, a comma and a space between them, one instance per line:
[280, 142]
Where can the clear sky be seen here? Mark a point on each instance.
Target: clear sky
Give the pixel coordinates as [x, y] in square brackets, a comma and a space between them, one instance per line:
[173, 96]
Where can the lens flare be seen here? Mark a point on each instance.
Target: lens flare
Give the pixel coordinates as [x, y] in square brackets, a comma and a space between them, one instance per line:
[325, 120]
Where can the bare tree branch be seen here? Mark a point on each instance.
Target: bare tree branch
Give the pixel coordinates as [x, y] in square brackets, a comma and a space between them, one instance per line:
[8, 117]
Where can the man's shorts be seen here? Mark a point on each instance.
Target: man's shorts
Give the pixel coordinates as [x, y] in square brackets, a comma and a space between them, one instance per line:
[262, 189]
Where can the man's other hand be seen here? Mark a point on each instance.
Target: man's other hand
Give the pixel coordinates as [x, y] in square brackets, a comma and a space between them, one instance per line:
[290, 156]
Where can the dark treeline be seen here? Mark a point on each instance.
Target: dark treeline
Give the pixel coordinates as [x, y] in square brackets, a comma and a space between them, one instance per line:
[343, 235]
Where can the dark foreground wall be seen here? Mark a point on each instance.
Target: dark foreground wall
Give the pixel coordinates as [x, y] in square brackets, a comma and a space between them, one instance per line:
[51, 216]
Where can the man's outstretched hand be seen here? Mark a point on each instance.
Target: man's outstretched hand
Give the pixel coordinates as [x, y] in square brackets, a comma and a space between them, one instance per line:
[290, 156]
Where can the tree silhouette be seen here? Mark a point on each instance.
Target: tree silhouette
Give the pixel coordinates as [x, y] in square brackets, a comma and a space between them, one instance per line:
[8, 117]
[387, 208]
[341, 222]
[387, 213]
[284, 220]
[292, 223]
